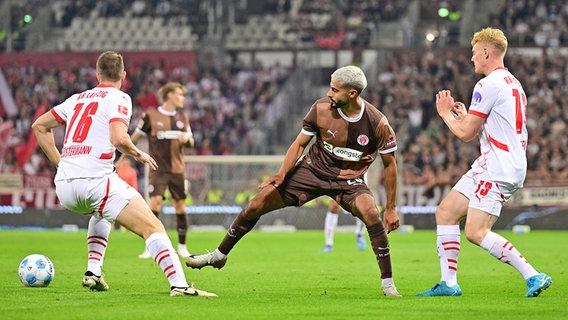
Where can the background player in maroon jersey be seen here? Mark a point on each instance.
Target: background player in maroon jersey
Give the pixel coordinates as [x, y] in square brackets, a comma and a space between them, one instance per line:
[349, 132]
[168, 132]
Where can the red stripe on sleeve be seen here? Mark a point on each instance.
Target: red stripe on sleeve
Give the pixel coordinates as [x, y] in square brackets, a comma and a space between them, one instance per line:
[120, 120]
[477, 113]
[57, 116]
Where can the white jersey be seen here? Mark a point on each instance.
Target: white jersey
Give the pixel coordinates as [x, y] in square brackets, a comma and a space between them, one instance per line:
[87, 151]
[500, 99]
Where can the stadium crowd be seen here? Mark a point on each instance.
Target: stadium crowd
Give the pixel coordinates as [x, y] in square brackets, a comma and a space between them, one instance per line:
[535, 22]
[431, 154]
[224, 105]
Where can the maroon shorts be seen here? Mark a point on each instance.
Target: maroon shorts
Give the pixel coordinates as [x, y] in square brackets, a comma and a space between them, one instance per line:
[302, 185]
[173, 181]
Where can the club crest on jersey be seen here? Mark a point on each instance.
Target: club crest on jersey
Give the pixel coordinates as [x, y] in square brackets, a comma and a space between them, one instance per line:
[363, 140]
[391, 140]
[179, 124]
[476, 98]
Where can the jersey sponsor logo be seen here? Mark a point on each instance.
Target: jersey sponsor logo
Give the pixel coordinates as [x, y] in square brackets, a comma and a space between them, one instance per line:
[168, 134]
[363, 140]
[123, 110]
[344, 153]
[476, 98]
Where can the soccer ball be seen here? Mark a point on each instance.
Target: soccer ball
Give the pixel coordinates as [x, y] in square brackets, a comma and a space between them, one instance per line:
[36, 270]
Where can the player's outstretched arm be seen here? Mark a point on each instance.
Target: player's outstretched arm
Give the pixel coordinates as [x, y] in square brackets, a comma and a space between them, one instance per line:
[390, 217]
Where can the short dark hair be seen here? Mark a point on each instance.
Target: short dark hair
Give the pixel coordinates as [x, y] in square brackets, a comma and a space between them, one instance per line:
[110, 66]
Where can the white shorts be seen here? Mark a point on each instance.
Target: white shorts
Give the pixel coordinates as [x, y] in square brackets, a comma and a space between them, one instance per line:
[101, 197]
[485, 195]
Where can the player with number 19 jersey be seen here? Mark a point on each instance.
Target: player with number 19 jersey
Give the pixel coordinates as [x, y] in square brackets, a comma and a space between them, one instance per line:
[500, 99]
[87, 151]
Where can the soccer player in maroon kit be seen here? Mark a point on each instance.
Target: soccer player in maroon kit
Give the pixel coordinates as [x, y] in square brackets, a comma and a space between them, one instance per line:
[349, 133]
[168, 132]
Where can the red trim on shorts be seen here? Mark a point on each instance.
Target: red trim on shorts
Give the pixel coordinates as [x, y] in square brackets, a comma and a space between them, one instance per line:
[102, 207]
[498, 144]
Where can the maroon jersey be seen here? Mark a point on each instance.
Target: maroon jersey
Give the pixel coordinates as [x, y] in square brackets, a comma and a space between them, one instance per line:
[162, 128]
[346, 147]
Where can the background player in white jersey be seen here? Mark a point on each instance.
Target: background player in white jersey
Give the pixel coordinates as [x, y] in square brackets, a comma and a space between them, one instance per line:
[96, 124]
[330, 226]
[497, 115]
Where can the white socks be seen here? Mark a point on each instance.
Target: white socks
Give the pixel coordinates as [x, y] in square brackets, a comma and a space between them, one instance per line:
[97, 241]
[448, 243]
[359, 226]
[386, 281]
[330, 226]
[162, 251]
[505, 252]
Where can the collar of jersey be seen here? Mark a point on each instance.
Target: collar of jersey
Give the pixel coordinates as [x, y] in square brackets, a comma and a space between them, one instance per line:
[356, 118]
[105, 85]
[166, 112]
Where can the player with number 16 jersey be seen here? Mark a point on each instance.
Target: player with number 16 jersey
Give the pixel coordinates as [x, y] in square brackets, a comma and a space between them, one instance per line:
[86, 139]
[96, 124]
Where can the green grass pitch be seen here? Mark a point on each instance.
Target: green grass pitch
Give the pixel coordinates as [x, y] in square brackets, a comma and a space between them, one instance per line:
[272, 275]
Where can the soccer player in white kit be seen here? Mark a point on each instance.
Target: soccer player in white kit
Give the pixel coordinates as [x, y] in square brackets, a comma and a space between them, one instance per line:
[96, 124]
[497, 115]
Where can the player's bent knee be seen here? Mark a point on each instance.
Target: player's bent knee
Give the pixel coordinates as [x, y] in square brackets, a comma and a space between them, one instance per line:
[474, 235]
[445, 216]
